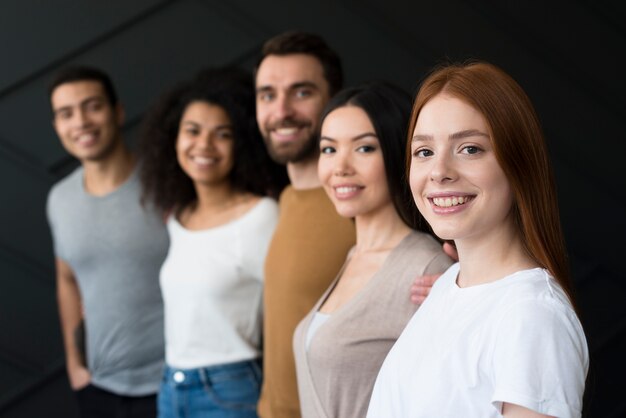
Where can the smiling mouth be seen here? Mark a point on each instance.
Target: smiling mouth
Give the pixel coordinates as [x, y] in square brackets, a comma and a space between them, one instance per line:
[450, 201]
[287, 131]
[86, 138]
[204, 160]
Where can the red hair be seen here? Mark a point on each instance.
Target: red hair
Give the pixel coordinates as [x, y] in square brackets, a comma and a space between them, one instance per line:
[520, 149]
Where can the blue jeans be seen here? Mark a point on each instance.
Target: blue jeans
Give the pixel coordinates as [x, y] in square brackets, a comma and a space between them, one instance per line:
[222, 391]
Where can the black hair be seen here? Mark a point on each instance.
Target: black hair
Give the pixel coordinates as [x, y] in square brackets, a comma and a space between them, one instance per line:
[388, 107]
[84, 73]
[164, 181]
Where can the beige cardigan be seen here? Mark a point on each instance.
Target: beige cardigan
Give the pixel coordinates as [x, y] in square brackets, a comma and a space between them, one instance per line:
[337, 373]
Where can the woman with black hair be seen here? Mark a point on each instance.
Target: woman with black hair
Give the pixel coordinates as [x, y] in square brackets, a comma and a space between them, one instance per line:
[205, 167]
[342, 343]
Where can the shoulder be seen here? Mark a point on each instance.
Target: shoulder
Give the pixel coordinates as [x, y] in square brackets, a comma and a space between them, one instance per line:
[528, 289]
[66, 188]
[261, 218]
[267, 207]
[534, 303]
[424, 252]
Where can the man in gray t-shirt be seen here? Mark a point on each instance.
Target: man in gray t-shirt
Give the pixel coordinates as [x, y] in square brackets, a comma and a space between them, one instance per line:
[108, 250]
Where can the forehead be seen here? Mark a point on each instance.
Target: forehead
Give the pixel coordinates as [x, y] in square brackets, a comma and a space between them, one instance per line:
[205, 111]
[448, 114]
[347, 121]
[284, 70]
[74, 92]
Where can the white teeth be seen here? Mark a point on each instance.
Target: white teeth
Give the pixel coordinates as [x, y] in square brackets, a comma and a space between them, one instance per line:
[286, 131]
[346, 189]
[86, 138]
[204, 160]
[446, 202]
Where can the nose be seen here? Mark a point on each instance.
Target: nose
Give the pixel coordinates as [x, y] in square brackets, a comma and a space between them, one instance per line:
[442, 169]
[206, 141]
[82, 118]
[283, 107]
[343, 165]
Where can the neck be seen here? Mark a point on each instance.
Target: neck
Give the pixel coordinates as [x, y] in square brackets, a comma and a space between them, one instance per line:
[214, 197]
[490, 258]
[105, 175]
[380, 231]
[303, 174]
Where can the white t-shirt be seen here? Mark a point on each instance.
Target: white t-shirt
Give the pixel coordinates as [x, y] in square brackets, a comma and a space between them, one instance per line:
[212, 282]
[468, 350]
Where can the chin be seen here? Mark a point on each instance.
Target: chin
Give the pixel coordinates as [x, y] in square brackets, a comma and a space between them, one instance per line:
[346, 212]
[445, 233]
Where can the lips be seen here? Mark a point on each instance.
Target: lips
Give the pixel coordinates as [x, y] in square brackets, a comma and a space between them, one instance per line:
[347, 191]
[447, 202]
[86, 139]
[204, 160]
[287, 130]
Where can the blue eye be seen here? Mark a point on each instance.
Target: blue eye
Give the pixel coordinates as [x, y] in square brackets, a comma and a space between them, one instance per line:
[422, 153]
[327, 150]
[265, 96]
[471, 149]
[303, 93]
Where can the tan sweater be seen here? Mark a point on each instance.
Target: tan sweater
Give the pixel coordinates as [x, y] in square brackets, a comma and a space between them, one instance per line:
[337, 373]
[309, 246]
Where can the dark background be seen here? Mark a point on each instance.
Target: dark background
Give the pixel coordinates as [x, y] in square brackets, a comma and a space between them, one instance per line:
[564, 53]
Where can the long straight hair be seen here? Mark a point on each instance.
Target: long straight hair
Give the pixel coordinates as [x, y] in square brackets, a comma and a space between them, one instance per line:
[388, 108]
[520, 149]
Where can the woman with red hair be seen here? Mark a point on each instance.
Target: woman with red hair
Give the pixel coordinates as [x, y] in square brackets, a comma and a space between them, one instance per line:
[498, 334]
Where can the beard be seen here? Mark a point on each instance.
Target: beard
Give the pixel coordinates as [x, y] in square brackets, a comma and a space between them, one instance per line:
[291, 152]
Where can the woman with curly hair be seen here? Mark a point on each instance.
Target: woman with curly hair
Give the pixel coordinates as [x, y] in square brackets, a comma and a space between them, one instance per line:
[205, 167]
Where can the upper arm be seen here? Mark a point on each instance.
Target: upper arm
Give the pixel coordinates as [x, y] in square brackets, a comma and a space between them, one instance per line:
[540, 359]
[510, 410]
[64, 272]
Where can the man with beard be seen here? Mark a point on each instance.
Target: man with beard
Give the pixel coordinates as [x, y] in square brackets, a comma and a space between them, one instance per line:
[295, 77]
[108, 253]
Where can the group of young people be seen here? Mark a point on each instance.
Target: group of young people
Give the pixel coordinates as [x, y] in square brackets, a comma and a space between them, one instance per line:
[264, 239]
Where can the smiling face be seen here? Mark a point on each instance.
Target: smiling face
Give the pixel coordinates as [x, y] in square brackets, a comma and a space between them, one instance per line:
[351, 165]
[85, 121]
[455, 178]
[291, 94]
[204, 146]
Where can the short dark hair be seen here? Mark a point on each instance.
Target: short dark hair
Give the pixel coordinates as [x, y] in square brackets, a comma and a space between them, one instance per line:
[388, 107]
[164, 181]
[292, 42]
[83, 73]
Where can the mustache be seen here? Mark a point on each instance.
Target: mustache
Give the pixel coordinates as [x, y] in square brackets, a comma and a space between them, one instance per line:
[289, 123]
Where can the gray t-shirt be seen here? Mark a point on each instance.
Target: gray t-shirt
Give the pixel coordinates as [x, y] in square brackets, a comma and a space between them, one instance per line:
[115, 249]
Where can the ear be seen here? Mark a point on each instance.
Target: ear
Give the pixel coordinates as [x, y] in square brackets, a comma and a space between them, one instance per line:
[120, 114]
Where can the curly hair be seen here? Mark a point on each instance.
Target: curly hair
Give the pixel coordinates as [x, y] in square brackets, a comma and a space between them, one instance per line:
[164, 182]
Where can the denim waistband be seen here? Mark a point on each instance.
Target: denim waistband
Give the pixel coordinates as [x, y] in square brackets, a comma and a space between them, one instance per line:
[202, 375]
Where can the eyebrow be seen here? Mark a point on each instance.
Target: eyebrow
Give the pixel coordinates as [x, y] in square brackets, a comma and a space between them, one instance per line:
[457, 135]
[194, 123]
[82, 103]
[356, 138]
[296, 85]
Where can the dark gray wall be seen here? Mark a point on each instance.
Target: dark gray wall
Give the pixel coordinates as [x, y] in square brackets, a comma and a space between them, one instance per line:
[564, 53]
